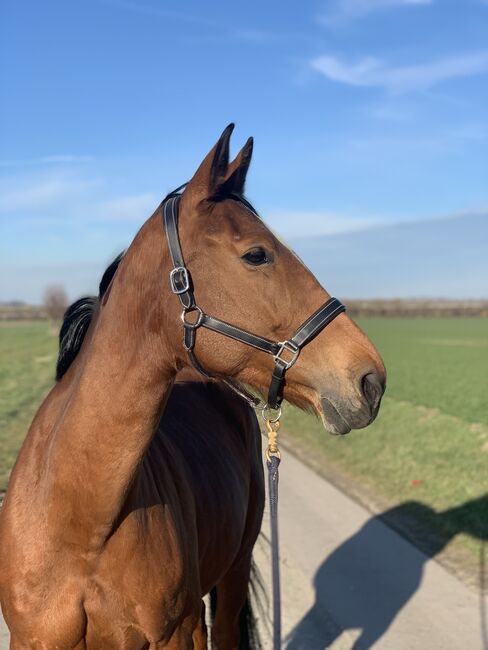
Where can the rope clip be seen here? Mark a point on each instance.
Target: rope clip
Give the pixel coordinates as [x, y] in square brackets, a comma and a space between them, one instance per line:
[272, 428]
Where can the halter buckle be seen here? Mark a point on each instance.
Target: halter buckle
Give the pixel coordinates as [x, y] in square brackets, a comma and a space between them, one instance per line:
[287, 346]
[179, 280]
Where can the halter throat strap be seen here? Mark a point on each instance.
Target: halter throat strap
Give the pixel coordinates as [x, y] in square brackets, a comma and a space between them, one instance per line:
[284, 353]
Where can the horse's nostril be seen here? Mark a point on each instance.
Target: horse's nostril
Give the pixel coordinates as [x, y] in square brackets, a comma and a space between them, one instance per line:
[372, 388]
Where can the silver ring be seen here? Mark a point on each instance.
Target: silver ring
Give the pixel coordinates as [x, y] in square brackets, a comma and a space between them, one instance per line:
[265, 411]
[188, 311]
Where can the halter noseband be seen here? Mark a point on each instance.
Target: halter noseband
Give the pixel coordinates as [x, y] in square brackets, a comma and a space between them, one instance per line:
[284, 353]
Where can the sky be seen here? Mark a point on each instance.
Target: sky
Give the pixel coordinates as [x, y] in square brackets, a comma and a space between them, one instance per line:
[365, 114]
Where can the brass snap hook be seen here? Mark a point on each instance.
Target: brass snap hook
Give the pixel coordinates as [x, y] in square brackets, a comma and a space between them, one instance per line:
[272, 428]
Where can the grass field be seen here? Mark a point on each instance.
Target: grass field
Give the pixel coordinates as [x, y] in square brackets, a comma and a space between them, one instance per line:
[27, 357]
[429, 445]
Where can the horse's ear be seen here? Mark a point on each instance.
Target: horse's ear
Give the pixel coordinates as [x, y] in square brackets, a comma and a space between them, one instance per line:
[237, 171]
[213, 170]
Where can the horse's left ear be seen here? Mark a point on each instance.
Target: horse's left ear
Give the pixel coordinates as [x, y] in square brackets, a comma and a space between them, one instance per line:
[235, 178]
[213, 170]
[215, 177]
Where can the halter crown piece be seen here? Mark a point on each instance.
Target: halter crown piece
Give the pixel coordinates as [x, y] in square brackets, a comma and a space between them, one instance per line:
[284, 353]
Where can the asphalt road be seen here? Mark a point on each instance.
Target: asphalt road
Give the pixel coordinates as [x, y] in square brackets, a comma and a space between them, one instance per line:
[350, 582]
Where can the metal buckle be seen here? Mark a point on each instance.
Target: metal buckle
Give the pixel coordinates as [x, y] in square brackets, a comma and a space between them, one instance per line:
[179, 273]
[290, 347]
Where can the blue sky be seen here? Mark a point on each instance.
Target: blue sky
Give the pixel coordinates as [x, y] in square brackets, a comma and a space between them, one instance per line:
[364, 112]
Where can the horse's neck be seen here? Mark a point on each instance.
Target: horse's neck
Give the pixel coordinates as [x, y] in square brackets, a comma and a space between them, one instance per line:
[115, 395]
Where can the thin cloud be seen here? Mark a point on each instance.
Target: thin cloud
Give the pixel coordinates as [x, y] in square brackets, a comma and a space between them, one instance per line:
[34, 194]
[346, 10]
[133, 208]
[294, 224]
[391, 112]
[57, 159]
[50, 198]
[154, 10]
[259, 36]
[395, 147]
[370, 72]
[65, 158]
[157, 11]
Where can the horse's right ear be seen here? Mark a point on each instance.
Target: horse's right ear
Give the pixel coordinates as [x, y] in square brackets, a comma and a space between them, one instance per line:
[237, 171]
[212, 170]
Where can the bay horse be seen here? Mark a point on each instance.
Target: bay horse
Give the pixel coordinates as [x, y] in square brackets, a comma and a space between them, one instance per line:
[114, 525]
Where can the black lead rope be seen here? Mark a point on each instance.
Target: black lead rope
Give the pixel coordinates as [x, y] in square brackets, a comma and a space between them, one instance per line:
[284, 353]
[273, 478]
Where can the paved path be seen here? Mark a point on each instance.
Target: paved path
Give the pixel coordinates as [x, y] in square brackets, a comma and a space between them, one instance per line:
[350, 582]
[3, 635]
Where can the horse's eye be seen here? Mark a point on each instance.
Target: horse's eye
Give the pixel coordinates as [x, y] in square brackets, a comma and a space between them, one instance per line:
[256, 257]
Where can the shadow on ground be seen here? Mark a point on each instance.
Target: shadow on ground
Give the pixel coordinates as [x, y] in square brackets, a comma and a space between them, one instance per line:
[366, 587]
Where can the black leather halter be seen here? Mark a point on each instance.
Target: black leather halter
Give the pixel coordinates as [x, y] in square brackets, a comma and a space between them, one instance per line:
[284, 353]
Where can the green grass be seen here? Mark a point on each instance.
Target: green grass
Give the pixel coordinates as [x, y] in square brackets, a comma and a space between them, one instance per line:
[27, 357]
[436, 362]
[429, 443]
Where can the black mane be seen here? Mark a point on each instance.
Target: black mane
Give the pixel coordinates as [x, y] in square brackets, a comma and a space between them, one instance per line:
[77, 320]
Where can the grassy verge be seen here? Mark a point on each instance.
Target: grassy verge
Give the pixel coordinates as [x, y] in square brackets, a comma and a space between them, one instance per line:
[28, 354]
[436, 362]
[428, 449]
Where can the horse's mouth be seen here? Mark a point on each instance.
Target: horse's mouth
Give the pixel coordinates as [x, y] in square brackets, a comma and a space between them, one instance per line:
[332, 420]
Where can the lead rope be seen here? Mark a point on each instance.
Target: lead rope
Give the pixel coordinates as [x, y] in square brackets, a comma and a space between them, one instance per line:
[273, 459]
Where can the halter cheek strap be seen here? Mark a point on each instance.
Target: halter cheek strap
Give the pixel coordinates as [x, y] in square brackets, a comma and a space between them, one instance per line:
[284, 353]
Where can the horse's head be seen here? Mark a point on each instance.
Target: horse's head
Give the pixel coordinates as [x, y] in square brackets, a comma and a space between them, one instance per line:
[243, 274]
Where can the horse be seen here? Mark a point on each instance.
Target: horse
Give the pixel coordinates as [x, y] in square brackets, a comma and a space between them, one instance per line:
[113, 529]
[218, 419]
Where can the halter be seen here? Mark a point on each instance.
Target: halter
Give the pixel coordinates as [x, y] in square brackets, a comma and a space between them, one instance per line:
[284, 353]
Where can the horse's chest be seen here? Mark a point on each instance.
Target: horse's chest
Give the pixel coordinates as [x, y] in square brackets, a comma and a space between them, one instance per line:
[120, 603]
[131, 619]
